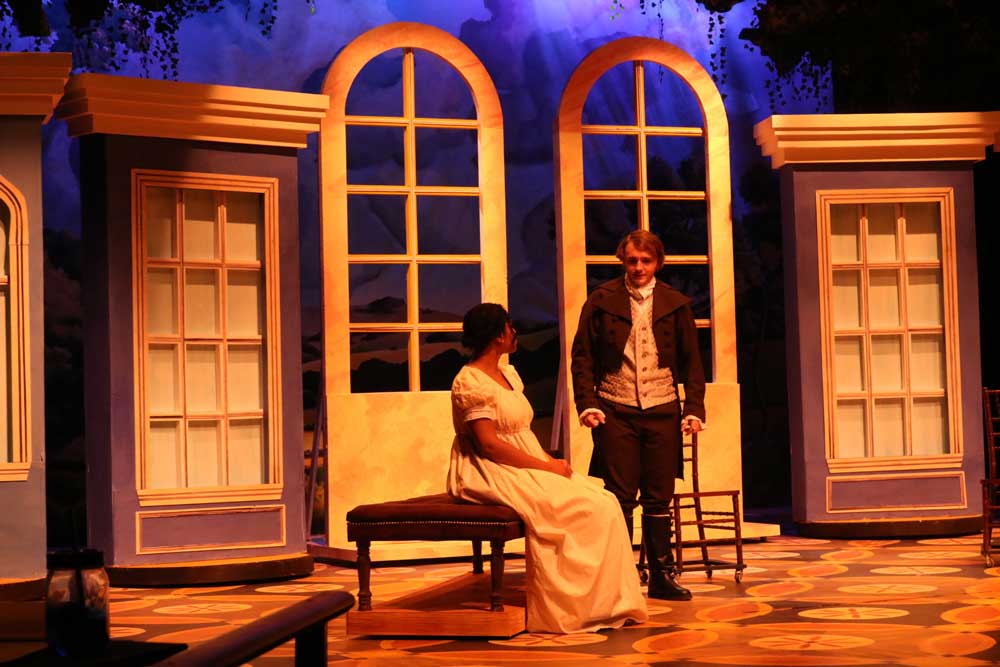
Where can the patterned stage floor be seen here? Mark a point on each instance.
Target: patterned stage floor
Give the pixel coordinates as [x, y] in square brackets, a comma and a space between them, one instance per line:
[802, 602]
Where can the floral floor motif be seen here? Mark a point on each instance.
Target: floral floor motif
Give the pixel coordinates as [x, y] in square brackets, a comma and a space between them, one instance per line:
[801, 602]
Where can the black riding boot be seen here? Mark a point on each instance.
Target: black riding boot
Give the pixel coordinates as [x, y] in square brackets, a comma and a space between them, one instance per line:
[656, 537]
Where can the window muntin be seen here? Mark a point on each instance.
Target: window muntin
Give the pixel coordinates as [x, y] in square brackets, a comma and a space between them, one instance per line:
[206, 264]
[890, 327]
[643, 176]
[414, 247]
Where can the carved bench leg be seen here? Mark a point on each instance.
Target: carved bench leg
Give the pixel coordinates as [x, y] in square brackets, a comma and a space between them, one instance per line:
[477, 557]
[364, 575]
[496, 575]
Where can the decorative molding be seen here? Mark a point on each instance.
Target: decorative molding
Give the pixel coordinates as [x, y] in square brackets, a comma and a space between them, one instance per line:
[894, 463]
[890, 137]
[913, 477]
[31, 84]
[279, 541]
[18, 338]
[107, 104]
[273, 399]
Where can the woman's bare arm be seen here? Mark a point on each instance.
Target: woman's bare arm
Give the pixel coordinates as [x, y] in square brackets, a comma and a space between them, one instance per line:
[491, 447]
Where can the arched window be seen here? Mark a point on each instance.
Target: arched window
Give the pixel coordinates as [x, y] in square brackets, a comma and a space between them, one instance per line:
[15, 441]
[664, 172]
[413, 207]
[413, 234]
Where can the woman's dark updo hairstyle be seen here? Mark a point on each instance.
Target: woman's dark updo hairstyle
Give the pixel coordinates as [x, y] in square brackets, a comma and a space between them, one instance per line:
[481, 325]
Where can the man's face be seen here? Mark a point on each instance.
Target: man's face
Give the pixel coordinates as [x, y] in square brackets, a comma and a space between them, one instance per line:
[640, 265]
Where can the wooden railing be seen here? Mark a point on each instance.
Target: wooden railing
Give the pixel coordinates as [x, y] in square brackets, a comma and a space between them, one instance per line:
[303, 621]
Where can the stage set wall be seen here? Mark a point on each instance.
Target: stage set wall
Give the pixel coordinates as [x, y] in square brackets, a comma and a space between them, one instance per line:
[112, 502]
[23, 524]
[810, 473]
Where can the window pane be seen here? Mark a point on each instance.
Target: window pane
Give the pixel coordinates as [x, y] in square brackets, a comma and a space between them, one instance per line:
[924, 297]
[7, 452]
[887, 363]
[245, 378]
[203, 380]
[670, 101]
[161, 302]
[201, 303]
[927, 362]
[611, 100]
[247, 452]
[447, 291]
[441, 357]
[844, 236]
[4, 227]
[851, 429]
[375, 155]
[846, 300]
[379, 362]
[675, 163]
[204, 463]
[692, 282]
[201, 236]
[681, 225]
[606, 222]
[376, 224]
[888, 427]
[244, 226]
[930, 427]
[447, 157]
[164, 380]
[850, 364]
[923, 231]
[448, 225]
[439, 90]
[609, 162]
[378, 292]
[882, 242]
[377, 90]
[883, 298]
[244, 303]
[601, 273]
[161, 222]
[163, 455]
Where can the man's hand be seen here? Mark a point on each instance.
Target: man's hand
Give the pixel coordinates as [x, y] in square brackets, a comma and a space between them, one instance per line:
[691, 425]
[592, 419]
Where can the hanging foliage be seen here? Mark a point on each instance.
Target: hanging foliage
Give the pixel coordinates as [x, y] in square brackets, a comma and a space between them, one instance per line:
[104, 35]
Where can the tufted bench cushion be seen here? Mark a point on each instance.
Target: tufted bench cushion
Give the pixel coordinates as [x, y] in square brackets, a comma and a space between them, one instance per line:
[435, 518]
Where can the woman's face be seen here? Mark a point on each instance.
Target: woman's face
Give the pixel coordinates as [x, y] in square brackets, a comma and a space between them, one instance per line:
[508, 339]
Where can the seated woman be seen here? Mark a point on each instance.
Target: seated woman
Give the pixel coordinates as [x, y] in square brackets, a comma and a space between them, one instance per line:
[580, 568]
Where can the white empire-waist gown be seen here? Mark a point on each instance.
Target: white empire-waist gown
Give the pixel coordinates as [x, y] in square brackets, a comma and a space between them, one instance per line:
[581, 572]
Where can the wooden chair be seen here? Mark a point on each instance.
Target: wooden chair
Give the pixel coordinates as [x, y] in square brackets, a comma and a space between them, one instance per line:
[688, 511]
[991, 484]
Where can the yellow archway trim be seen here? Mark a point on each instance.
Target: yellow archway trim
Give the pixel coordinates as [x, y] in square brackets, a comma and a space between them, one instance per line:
[18, 335]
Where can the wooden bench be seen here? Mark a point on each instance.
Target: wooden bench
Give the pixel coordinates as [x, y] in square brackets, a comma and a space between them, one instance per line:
[438, 517]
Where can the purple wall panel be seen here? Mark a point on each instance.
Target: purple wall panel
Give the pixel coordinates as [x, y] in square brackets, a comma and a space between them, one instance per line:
[112, 500]
[804, 352]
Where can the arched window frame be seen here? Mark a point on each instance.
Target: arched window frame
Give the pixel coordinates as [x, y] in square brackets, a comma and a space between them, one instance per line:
[570, 197]
[18, 336]
[336, 259]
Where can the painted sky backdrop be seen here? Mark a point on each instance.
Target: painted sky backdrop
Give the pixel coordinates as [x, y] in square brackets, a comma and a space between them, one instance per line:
[529, 48]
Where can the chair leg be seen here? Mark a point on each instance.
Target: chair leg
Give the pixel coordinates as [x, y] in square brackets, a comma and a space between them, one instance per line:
[477, 556]
[738, 531]
[364, 575]
[678, 545]
[496, 575]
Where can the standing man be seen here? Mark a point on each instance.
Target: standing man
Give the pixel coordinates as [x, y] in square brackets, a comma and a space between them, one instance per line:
[636, 341]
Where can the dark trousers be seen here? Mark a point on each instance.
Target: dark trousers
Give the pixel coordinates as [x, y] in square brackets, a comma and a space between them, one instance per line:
[638, 451]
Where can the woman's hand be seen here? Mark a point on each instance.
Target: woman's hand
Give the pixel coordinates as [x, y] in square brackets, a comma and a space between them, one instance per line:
[560, 467]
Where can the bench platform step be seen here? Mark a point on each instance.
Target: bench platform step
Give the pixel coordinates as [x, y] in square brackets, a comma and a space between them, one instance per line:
[454, 608]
